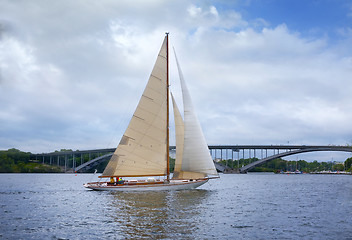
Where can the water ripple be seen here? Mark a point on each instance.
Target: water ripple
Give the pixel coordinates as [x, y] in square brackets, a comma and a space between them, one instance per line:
[56, 206]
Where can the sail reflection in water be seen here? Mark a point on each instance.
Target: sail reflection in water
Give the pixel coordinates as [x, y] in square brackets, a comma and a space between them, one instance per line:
[155, 214]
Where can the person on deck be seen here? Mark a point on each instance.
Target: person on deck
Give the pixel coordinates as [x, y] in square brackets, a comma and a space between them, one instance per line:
[119, 180]
[112, 180]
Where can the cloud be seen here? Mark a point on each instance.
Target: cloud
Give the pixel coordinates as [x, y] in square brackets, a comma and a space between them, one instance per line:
[73, 78]
[271, 86]
[206, 16]
[349, 14]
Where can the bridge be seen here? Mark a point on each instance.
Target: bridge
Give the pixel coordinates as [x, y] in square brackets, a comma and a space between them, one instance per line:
[81, 161]
[291, 150]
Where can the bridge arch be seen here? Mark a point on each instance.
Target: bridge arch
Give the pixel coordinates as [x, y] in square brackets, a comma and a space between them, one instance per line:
[90, 164]
[252, 165]
[93, 162]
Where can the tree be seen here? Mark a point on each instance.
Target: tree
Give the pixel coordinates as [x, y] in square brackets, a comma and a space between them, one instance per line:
[348, 164]
[338, 167]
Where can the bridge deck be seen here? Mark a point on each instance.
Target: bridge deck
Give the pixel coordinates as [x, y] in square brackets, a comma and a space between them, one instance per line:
[289, 150]
[234, 147]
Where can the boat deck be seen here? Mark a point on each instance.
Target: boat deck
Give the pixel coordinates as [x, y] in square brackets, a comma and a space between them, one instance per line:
[147, 185]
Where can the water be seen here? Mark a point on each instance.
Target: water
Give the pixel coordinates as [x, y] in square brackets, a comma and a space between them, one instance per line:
[251, 206]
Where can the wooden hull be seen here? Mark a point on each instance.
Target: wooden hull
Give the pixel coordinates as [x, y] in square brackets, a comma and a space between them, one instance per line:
[173, 185]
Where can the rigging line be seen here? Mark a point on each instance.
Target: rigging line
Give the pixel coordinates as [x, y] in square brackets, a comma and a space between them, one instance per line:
[95, 171]
[123, 118]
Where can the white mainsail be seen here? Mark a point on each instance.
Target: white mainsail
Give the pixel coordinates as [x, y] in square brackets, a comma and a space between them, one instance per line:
[142, 150]
[196, 160]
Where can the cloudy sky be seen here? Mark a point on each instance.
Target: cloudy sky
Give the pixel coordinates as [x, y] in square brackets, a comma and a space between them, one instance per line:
[259, 71]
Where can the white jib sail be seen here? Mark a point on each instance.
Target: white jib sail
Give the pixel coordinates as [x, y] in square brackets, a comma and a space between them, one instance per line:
[196, 156]
[142, 149]
[179, 129]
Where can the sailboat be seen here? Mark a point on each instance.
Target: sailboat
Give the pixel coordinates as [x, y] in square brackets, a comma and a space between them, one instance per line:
[143, 151]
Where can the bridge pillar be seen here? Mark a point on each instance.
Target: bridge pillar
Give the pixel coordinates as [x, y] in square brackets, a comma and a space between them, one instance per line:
[65, 162]
[238, 160]
[73, 162]
[254, 152]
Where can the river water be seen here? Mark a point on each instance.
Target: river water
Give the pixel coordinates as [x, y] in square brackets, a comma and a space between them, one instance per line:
[249, 206]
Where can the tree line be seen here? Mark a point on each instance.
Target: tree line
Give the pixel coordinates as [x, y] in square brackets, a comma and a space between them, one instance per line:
[279, 164]
[16, 161]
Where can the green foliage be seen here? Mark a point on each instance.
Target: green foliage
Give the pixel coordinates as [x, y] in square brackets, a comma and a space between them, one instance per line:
[100, 167]
[279, 164]
[172, 164]
[17, 156]
[348, 164]
[36, 168]
[64, 150]
[338, 167]
[15, 161]
[6, 163]
[235, 163]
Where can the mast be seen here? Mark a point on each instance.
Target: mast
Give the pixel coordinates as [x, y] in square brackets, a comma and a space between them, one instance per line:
[167, 107]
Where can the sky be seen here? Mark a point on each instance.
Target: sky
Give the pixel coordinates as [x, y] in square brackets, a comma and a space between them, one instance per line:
[259, 71]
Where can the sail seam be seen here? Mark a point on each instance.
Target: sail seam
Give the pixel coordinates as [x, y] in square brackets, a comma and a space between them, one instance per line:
[159, 55]
[148, 97]
[134, 166]
[155, 77]
[138, 117]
